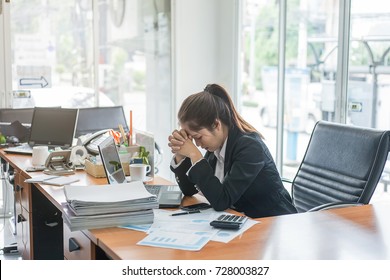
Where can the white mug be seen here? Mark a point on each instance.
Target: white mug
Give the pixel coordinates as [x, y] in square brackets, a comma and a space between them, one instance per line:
[138, 171]
[39, 155]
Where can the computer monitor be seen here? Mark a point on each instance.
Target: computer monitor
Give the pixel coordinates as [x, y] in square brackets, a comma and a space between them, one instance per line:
[98, 118]
[23, 115]
[54, 127]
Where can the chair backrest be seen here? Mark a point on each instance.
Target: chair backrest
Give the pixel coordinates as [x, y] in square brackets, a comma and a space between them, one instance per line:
[342, 163]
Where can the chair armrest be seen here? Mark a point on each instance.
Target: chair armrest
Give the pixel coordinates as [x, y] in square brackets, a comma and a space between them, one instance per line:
[333, 205]
[285, 180]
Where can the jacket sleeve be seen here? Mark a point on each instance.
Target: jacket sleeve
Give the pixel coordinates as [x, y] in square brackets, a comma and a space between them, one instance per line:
[246, 162]
[186, 186]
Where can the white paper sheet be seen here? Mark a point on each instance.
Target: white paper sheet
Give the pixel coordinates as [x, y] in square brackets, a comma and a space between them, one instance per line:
[40, 178]
[188, 232]
[182, 240]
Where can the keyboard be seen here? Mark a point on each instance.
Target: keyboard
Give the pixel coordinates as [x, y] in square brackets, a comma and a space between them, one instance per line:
[153, 189]
[25, 149]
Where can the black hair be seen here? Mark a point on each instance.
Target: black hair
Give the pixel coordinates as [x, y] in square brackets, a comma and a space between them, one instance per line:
[202, 109]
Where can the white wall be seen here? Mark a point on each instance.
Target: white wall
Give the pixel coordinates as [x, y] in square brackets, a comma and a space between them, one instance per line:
[204, 40]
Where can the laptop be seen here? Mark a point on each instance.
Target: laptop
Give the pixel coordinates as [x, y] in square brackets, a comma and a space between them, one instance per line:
[52, 127]
[168, 196]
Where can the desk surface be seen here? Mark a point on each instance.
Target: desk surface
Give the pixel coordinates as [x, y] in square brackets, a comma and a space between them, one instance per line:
[361, 232]
[54, 193]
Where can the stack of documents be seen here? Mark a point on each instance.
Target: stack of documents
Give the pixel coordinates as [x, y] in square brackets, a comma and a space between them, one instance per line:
[101, 206]
[75, 222]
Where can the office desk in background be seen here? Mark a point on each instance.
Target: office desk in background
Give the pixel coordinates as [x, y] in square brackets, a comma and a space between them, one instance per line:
[361, 232]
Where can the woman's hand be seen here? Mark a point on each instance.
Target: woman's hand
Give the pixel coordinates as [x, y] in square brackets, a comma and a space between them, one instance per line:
[175, 141]
[182, 146]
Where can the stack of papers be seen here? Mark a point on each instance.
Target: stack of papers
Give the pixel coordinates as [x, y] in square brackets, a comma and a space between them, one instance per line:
[75, 222]
[100, 206]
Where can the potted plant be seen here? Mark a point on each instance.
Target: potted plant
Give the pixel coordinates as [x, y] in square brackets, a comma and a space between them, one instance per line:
[142, 156]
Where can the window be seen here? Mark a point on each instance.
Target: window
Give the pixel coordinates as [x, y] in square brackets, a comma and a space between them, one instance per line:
[85, 53]
[369, 70]
[310, 24]
[52, 61]
[311, 67]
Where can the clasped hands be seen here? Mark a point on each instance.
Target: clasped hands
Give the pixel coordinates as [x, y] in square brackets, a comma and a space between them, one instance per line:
[182, 145]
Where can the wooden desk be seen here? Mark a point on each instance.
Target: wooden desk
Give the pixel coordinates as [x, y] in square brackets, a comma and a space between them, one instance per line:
[41, 233]
[361, 232]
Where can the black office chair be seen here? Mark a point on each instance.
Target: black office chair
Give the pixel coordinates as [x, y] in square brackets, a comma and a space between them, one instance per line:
[342, 166]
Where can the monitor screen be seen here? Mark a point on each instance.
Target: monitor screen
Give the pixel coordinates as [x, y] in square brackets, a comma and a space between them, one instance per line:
[94, 119]
[53, 127]
[23, 115]
[111, 161]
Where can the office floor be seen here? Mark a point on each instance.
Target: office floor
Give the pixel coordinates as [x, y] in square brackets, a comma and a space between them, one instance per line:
[7, 237]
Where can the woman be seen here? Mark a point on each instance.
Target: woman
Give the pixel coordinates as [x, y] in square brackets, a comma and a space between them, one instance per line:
[237, 170]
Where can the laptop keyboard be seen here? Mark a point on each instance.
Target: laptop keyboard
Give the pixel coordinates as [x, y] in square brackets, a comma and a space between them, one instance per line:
[22, 149]
[153, 189]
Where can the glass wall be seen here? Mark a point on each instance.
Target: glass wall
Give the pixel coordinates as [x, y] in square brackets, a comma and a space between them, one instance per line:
[52, 57]
[83, 53]
[311, 62]
[134, 63]
[369, 70]
[311, 68]
[259, 67]
[368, 99]
[311, 38]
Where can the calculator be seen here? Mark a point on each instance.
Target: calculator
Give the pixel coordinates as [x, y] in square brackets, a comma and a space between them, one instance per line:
[227, 221]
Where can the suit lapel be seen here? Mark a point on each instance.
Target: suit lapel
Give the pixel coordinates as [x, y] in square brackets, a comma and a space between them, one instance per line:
[232, 139]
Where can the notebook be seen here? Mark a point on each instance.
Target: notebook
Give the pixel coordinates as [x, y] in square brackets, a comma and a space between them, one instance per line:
[168, 196]
[53, 127]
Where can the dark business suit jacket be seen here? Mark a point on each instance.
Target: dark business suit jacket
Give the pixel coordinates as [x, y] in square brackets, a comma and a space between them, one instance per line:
[252, 184]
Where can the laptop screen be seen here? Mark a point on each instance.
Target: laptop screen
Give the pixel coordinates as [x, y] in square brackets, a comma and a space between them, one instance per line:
[53, 126]
[111, 161]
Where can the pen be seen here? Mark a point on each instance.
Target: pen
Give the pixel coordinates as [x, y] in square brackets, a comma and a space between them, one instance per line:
[185, 213]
